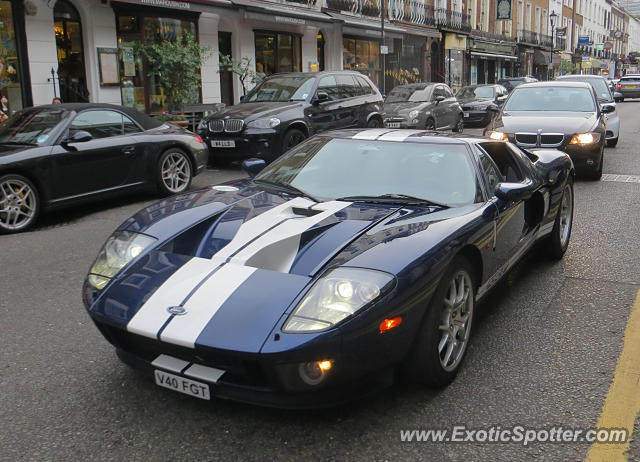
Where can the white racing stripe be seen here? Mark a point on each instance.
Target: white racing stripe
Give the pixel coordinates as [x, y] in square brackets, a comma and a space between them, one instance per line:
[204, 303]
[371, 134]
[153, 314]
[399, 135]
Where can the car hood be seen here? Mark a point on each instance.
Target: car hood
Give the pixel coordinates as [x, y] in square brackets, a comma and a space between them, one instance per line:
[475, 102]
[237, 260]
[251, 111]
[404, 107]
[556, 122]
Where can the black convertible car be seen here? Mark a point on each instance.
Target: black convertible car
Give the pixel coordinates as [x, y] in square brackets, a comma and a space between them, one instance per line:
[62, 154]
[356, 253]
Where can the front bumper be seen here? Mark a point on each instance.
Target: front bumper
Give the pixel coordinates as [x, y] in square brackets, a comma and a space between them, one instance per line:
[629, 92]
[474, 117]
[613, 126]
[265, 144]
[400, 122]
[585, 157]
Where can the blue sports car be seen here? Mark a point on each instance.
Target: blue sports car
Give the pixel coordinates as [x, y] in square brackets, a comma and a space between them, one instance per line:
[357, 253]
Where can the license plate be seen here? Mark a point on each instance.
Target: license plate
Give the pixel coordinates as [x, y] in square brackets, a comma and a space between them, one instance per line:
[393, 125]
[466, 114]
[223, 144]
[182, 385]
[630, 86]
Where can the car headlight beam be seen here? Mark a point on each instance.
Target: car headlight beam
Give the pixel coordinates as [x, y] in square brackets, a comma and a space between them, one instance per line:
[498, 136]
[337, 295]
[121, 248]
[585, 138]
[270, 122]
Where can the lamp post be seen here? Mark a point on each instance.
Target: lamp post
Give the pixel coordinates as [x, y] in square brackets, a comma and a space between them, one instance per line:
[552, 18]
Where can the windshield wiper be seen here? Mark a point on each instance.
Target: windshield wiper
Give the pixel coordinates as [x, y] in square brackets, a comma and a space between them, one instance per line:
[394, 198]
[286, 188]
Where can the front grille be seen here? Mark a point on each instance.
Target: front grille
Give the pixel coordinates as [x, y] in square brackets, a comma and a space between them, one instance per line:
[467, 108]
[546, 140]
[216, 126]
[233, 125]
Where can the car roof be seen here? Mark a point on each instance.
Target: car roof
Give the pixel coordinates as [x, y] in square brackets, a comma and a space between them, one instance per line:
[315, 74]
[557, 84]
[578, 76]
[406, 135]
[144, 120]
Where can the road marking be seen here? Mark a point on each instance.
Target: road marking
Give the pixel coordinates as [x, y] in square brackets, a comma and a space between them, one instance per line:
[622, 404]
[620, 178]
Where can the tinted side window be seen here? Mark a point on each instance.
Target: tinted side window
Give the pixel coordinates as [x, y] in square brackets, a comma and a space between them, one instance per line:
[504, 160]
[129, 125]
[438, 91]
[447, 92]
[364, 85]
[101, 124]
[329, 85]
[490, 170]
[347, 86]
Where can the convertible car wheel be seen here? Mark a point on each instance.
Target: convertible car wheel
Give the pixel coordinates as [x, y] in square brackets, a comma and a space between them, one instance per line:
[443, 339]
[559, 239]
[175, 172]
[19, 203]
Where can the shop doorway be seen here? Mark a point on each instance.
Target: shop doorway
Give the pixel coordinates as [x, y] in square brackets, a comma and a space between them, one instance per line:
[437, 75]
[226, 77]
[491, 70]
[70, 49]
[481, 73]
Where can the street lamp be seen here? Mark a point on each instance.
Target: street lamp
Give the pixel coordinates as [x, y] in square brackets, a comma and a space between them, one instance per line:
[552, 18]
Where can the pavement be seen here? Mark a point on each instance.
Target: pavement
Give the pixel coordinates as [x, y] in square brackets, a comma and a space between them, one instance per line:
[544, 352]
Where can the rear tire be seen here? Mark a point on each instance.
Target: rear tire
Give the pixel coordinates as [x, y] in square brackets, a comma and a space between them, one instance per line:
[612, 143]
[444, 336]
[174, 172]
[19, 204]
[558, 241]
[374, 122]
[459, 127]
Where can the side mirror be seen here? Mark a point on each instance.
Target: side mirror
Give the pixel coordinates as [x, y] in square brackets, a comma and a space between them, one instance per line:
[439, 99]
[79, 136]
[321, 97]
[608, 108]
[515, 192]
[493, 108]
[253, 166]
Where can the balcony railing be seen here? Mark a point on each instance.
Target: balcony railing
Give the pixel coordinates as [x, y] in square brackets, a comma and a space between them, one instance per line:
[452, 19]
[491, 36]
[411, 11]
[533, 38]
[545, 40]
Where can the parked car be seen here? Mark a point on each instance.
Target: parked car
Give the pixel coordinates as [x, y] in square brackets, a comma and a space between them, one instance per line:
[605, 97]
[356, 253]
[63, 154]
[287, 108]
[560, 115]
[511, 82]
[480, 103]
[429, 106]
[629, 86]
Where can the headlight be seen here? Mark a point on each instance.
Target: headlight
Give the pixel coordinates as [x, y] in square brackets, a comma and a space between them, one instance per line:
[116, 253]
[271, 122]
[335, 296]
[498, 136]
[414, 114]
[585, 138]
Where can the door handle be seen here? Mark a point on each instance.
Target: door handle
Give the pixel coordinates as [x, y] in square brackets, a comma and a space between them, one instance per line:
[129, 149]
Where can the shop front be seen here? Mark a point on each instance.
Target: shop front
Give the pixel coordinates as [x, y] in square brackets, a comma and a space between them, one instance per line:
[490, 61]
[15, 84]
[455, 66]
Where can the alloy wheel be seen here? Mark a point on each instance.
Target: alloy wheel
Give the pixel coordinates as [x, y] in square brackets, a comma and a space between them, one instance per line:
[456, 321]
[566, 216]
[176, 172]
[17, 204]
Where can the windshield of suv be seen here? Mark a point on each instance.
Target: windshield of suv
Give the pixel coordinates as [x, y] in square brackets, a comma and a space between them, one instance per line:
[551, 99]
[281, 89]
[476, 92]
[323, 167]
[599, 85]
[413, 93]
[30, 128]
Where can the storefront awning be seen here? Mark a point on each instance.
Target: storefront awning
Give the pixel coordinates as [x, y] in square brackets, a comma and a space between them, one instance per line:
[422, 31]
[493, 55]
[355, 25]
[540, 58]
[281, 14]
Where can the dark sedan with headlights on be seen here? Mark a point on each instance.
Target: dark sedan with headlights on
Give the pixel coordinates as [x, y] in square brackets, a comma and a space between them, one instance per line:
[64, 154]
[480, 103]
[287, 108]
[429, 106]
[561, 115]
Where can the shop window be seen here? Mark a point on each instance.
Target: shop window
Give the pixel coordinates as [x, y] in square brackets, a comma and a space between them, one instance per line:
[10, 78]
[277, 52]
[71, 71]
[363, 56]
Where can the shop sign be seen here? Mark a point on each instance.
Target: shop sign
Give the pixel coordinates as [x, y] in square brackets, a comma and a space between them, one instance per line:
[561, 31]
[289, 20]
[503, 10]
[607, 45]
[599, 46]
[583, 40]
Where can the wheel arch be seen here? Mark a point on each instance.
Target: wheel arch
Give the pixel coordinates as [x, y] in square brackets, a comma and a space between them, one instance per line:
[29, 175]
[299, 125]
[181, 147]
[473, 255]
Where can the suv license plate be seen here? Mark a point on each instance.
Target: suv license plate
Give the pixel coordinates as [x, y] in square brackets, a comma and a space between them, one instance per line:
[223, 144]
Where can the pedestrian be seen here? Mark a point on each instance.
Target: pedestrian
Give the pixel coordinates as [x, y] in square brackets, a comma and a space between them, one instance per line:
[56, 100]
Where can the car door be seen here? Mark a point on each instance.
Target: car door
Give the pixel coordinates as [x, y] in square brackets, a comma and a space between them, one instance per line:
[104, 162]
[326, 115]
[350, 102]
[439, 110]
[453, 107]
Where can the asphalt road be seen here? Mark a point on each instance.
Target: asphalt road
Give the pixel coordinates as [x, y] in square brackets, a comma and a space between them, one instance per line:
[543, 353]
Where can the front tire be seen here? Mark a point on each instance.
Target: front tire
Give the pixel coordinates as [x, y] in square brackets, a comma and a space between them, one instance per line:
[596, 175]
[174, 173]
[374, 122]
[443, 338]
[558, 242]
[19, 204]
[292, 138]
[430, 124]
[612, 143]
[459, 126]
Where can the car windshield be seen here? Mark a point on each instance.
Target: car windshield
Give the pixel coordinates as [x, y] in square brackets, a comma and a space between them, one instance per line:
[415, 94]
[599, 85]
[281, 89]
[31, 127]
[476, 92]
[570, 99]
[324, 168]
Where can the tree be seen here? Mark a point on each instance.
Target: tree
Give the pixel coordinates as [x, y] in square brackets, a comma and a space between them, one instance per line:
[177, 63]
[242, 69]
